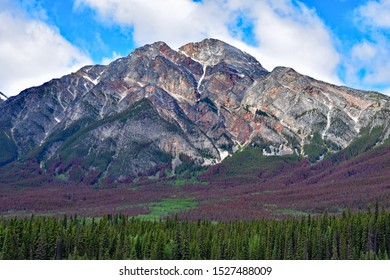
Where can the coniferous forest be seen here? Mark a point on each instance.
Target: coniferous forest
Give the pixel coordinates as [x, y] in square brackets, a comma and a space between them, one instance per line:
[363, 235]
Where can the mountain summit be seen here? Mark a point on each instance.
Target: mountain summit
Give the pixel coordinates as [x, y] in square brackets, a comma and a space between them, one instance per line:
[156, 109]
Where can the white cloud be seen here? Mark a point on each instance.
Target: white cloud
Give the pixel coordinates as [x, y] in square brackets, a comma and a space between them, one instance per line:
[294, 36]
[368, 62]
[174, 21]
[108, 60]
[386, 91]
[364, 50]
[374, 59]
[288, 34]
[32, 52]
[375, 13]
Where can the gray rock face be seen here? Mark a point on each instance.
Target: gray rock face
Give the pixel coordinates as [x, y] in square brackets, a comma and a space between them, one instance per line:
[305, 106]
[139, 114]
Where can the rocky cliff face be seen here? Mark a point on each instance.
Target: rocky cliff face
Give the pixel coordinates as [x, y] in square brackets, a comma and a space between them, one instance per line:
[301, 107]
[149, 111]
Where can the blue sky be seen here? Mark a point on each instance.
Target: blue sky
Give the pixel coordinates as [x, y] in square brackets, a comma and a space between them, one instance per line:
[340, 41]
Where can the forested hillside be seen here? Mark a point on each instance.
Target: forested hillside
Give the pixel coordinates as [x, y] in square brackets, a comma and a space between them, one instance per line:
[348, 236]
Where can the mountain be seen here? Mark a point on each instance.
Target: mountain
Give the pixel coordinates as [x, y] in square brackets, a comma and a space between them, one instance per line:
[159, 109]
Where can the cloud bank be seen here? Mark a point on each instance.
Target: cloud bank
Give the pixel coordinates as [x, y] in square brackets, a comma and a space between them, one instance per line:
[276, 32]
[283, 33]
[369, 62]
[32, 52]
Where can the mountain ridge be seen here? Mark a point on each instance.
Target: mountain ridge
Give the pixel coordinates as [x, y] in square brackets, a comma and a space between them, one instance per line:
[203, 102]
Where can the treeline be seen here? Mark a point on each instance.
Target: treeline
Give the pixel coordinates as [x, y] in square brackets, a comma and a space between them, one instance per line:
[348, 236]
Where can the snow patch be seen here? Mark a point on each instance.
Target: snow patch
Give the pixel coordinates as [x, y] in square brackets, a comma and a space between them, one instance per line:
[202, 77]
[176, 162]
[131, 81]
[208, 161]
[212, 60]
[328, 121]
[122, 96]
[43, 140]
[194, 59]
[223, 154]
[104, 105]
[185, 54]
[59, 100]
[278, 151]
[204, 64]
[95, 81]
[356, 120]
[71, 93]
[12, 133]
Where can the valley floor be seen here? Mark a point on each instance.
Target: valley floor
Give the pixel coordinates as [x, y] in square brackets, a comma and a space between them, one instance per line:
[246, 186]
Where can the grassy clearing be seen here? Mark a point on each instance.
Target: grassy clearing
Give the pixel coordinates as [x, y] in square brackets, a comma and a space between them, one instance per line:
[293, 212]
[183, 182]
[62, 177]
[167, 206]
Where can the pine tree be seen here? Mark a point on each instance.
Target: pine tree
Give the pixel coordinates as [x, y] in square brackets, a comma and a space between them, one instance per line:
[41, 247]
[8, 248]
[335, 247]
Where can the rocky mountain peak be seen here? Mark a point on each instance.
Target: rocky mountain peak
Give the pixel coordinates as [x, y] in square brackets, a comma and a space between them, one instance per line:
[280, 71]
[159, 49]
[208, 51]
[150, 50]
[286, 77]
[211, 52]
[156, 108]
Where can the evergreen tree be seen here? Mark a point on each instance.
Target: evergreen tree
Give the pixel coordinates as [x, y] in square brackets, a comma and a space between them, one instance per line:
[8, 248]
[349, 236]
